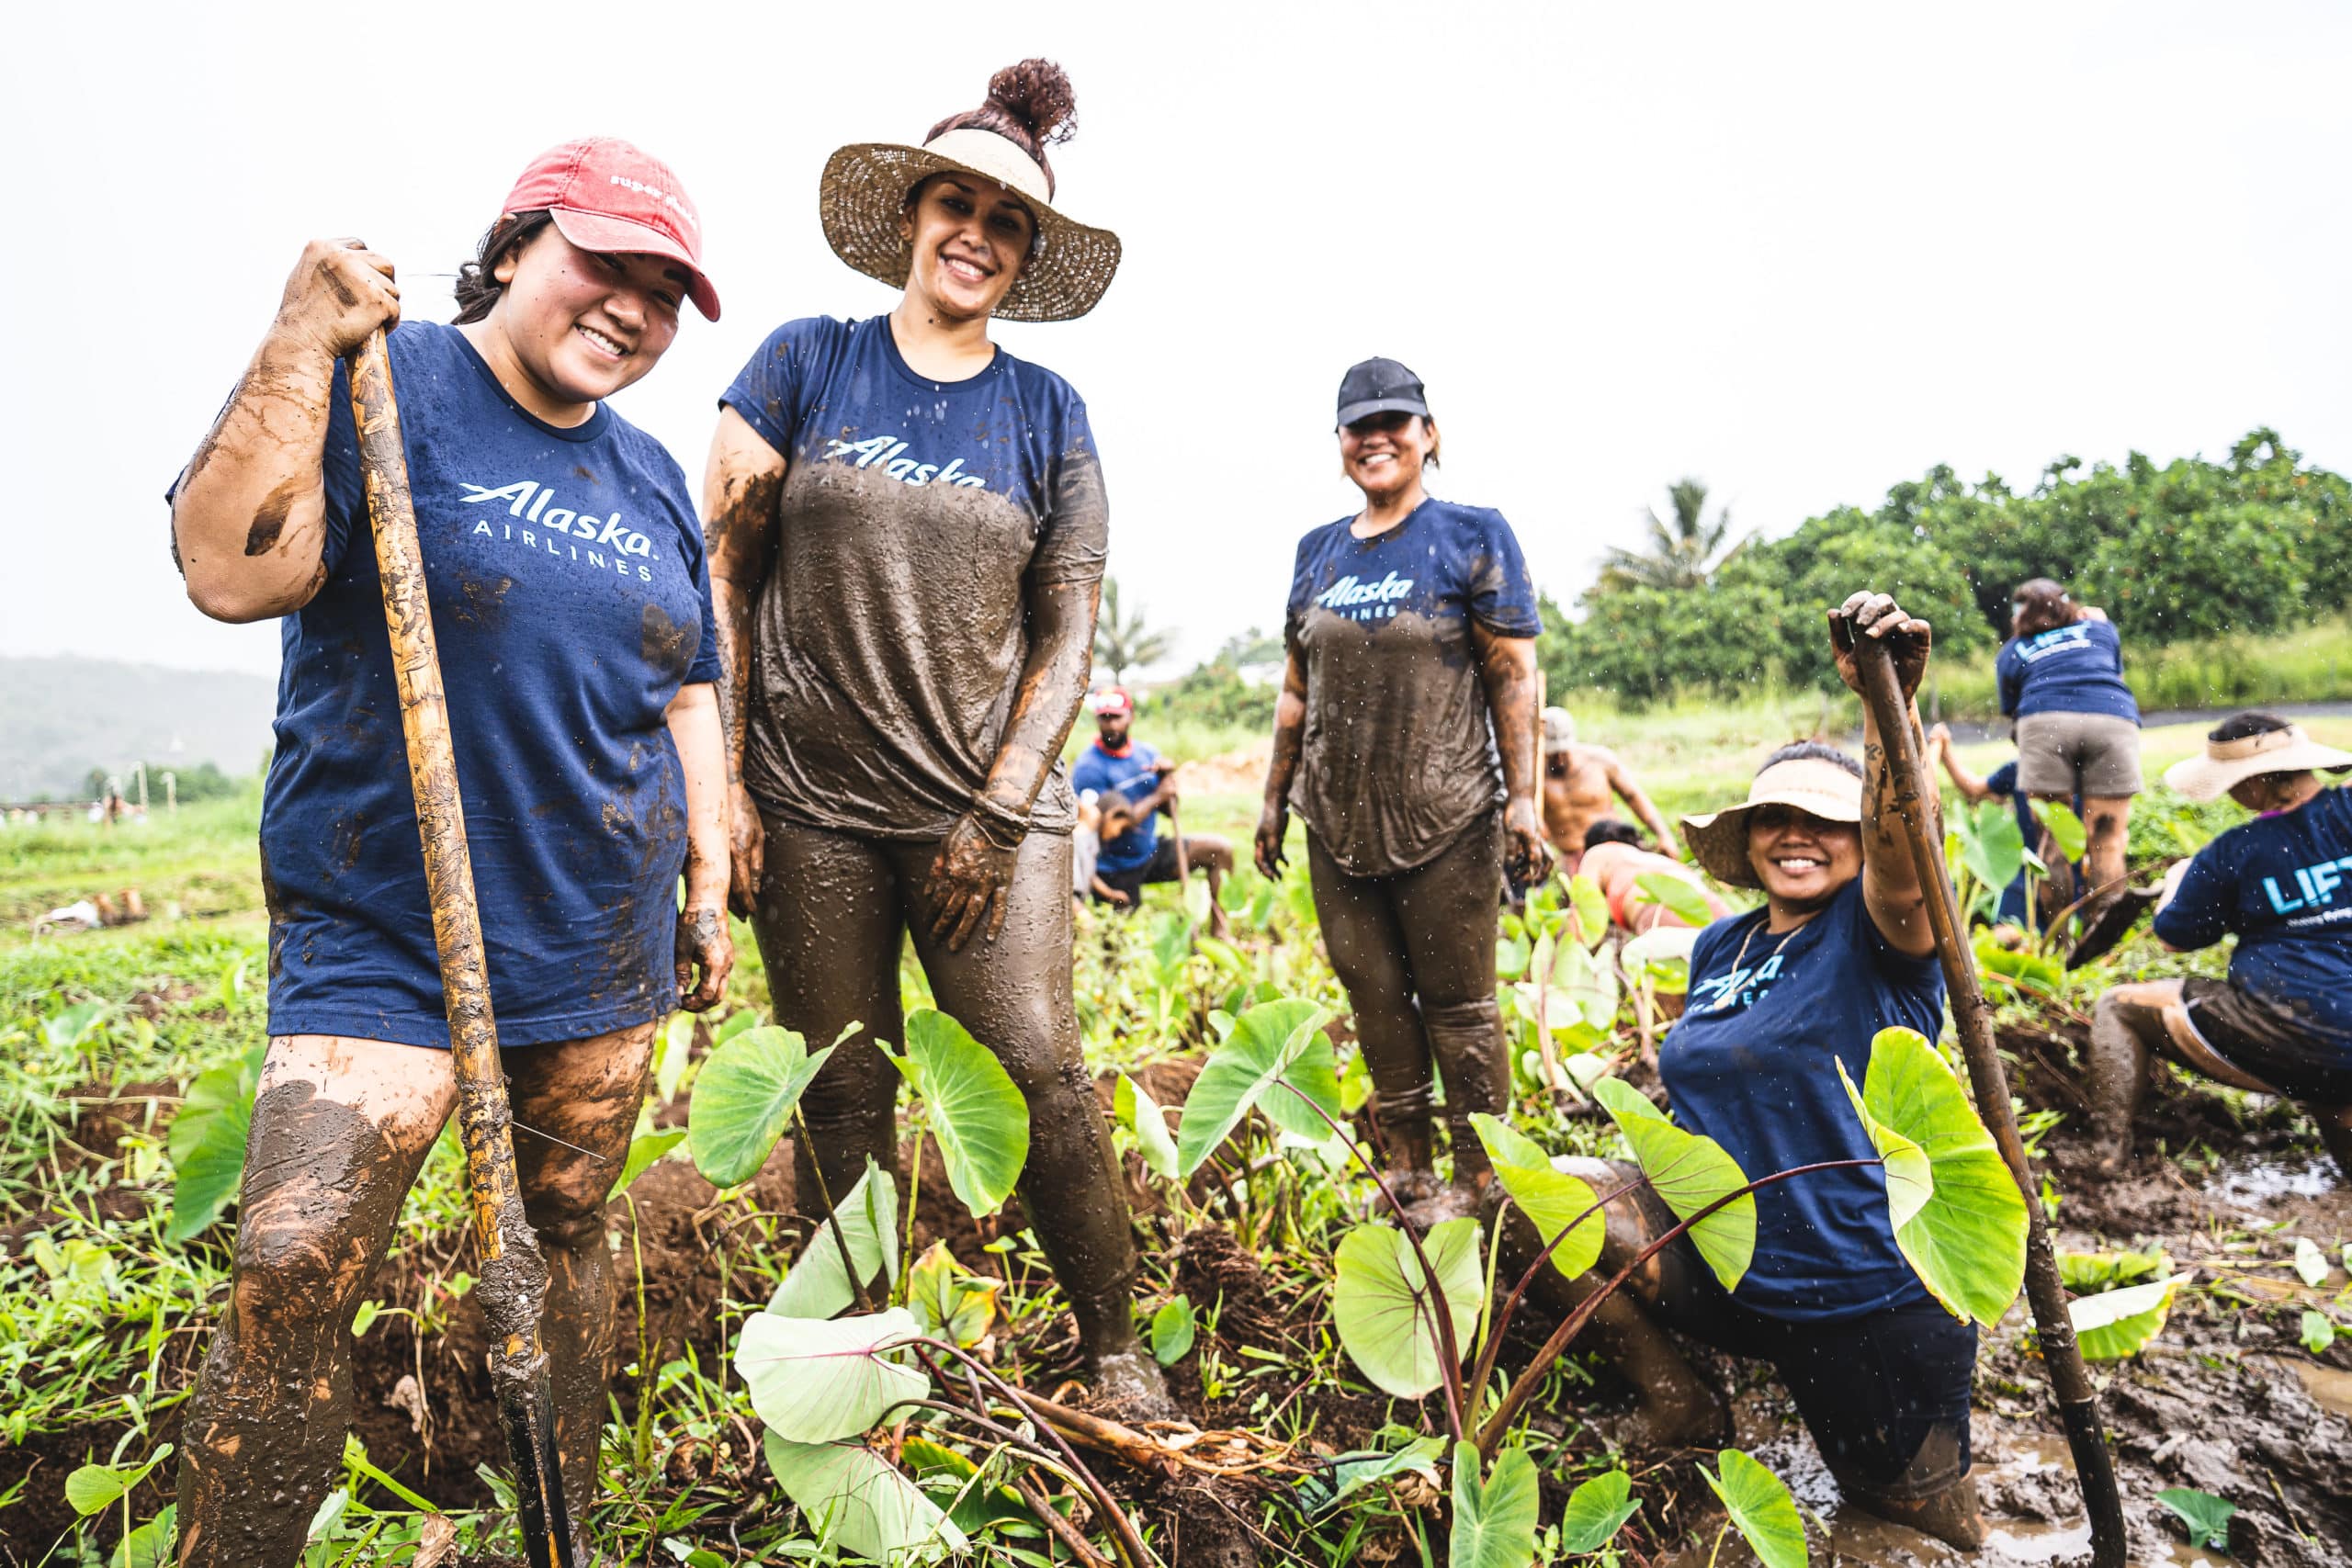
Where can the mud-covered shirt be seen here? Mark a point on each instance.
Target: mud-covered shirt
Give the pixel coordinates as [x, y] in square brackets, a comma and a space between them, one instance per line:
[2283, 884]
[1399, 754]
[1751, 1064]
[569, 597]
[916, 517]
[2069, 669]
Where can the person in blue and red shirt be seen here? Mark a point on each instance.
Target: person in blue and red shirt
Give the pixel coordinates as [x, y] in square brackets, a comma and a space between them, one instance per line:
[2282, 883]
[1117, 763]
[2061, 677]
[565, 569]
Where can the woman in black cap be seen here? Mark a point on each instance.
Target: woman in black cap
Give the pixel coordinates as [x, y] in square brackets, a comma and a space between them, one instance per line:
[906, 536]
[1411, 637]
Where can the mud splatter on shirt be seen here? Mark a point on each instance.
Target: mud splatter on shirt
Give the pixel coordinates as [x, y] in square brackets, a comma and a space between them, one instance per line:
[915, 515]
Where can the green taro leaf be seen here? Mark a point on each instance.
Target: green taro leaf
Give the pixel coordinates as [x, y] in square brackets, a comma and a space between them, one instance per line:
[1688, 1172]
[1679, 898]
[816, 1285]
[1760, 1508]
[2207, 1516]
[972, 1107]
[643, 1150]
[949, 1301]
[743, 1100]
[1277, 1055]
[68, 1027]
[97, 1486]
[1385, 1311]
[1552, 1200]
[1172, 1330]
[815, 1380]
[1494, 1525]
[1961, 1222]
[1590, 906]
[150, 1546]
[1596, 1509]
[2318, 1332]
[2084, 1272]
[854, 1500]
[1995, 851]
[671, 1049]
[2064, 826]
[1591, 980]
[207, 1145]
[1141, 1115]
[2115, 1324]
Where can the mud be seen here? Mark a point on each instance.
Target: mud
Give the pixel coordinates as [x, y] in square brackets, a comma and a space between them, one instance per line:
[270, 518]
[664, 645]
[1416, 951]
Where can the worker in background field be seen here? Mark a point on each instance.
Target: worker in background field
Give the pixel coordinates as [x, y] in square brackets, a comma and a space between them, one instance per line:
[1579, 781]
[1117, 763]
[2016, 912]
[2281, 1024]
[1615, 859]
[2061, 675]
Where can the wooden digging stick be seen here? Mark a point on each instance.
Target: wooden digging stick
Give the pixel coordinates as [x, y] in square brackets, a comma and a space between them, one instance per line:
[2077, 1400]
[514, 1284]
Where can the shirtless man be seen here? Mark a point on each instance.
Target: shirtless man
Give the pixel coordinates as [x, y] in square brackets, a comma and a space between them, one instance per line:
[1579, 780]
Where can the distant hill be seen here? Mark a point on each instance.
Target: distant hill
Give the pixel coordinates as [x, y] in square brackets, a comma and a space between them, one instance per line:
[60, 718]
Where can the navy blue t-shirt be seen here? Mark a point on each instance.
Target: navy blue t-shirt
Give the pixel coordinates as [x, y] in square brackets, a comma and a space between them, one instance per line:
[1400, 758]
[569, 597]
[2283, 883]
[1749, 1064]
[919, 521]
[1132, 773]
[2070, 668]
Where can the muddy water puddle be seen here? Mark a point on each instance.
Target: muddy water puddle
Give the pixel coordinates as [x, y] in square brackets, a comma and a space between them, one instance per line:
[2329, 1387]
[2249, 1183]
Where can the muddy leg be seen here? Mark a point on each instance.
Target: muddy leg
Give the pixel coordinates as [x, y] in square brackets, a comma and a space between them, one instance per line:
[2109, 820]
[1449, 910]
[1676, 1405]
[830, 928]
[1012, 992]
[1209, 853]
[2335, 1133]
[2128, 1024]
[585, 1092]
[1367, 948]
[339, 1129]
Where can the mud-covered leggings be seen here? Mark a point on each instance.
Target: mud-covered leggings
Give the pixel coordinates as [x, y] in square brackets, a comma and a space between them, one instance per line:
[340, 1128]
[834, 912]
[1416, 951]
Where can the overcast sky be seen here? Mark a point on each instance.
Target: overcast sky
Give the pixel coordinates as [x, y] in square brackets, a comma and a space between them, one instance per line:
[1801, 252]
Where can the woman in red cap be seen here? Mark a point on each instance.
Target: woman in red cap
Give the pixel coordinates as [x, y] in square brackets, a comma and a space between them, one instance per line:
[906, 536]
[571, 597]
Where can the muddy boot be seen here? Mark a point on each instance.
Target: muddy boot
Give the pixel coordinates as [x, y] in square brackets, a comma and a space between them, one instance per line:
[1951, 1515]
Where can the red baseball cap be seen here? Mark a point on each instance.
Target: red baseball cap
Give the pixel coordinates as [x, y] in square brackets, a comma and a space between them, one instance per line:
[1114, 699]
[605, 195]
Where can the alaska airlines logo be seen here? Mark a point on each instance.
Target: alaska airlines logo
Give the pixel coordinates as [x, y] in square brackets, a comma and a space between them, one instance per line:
[1743, 986]
[1366, 601]
[537, 522]
[883, 451]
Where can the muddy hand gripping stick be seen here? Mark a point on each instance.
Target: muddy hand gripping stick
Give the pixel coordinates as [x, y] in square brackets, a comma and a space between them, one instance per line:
[513, 1281]
[2077, 1401]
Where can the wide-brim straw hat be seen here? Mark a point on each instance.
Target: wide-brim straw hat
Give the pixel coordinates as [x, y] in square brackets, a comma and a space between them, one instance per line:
[2228, 763]
[863, 196]
[1719, 839]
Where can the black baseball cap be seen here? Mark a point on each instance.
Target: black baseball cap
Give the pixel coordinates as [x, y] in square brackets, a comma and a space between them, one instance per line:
[1380, 386]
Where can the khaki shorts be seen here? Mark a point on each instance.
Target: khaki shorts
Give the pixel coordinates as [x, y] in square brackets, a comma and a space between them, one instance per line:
[2088, 753]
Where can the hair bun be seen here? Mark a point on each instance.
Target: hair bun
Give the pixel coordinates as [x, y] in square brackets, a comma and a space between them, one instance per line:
[1038, 93]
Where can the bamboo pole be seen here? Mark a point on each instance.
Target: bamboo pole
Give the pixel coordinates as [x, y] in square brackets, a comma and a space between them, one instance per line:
[2069, 1380]
[512, 1287]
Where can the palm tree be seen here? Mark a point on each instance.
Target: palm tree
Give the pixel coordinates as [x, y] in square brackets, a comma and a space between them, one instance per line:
[1122, 642]
[1681, 555]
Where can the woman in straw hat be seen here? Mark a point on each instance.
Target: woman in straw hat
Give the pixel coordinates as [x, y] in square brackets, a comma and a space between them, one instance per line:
[1412, 634]
[907, 532]
[566, 572]
[2282, 883]
[1840, 950]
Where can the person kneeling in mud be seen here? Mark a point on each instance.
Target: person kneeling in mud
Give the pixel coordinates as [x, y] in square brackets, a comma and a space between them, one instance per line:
[1840, 950]
[2281, 1024]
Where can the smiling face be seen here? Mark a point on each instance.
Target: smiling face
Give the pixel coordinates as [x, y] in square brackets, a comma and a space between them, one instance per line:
[970, 238]
[581, 324]
[1802, 859]
[1383, 454]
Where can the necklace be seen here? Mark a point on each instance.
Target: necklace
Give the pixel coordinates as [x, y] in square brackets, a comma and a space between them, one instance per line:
[1741, 955]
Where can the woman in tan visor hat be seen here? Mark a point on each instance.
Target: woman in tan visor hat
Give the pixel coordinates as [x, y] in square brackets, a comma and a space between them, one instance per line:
[2282, 883]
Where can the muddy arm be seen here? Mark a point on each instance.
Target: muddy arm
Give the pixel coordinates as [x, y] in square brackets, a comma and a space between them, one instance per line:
[1890, 889]
[743, 483]
[1052, 688]
[1507, 669]
[249, 514]
[1290, 739]
[1641, 805]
